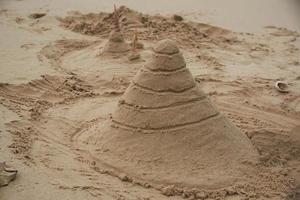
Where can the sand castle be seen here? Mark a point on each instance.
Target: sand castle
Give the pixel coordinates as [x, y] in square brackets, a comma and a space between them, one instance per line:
[166, 130]
[116, 42]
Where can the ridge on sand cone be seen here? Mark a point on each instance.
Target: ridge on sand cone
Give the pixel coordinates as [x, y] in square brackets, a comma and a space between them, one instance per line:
[116, 42]
[166, 130]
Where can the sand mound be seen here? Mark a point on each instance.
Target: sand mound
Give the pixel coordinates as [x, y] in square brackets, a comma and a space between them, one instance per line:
[166, 130]
[150, 27]
[116, 42]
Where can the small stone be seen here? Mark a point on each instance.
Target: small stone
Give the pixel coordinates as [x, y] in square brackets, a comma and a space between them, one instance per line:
[124, 177]
[177, 18]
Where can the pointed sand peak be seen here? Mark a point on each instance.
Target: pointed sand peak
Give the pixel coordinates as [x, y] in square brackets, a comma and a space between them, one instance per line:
[116, 20]
[166, 46]
[116, 42]
[166, 57]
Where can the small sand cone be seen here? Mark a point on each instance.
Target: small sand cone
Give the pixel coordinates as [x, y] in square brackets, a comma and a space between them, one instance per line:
[135, 42]
[116, 42]
[167, 131]
[134, 55]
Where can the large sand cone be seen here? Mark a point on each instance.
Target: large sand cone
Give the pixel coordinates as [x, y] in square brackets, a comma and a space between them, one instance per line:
[166, 130]
[116, 42]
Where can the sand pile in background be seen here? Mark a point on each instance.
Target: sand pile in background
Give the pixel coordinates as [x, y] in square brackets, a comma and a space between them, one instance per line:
[116, 42]
[149, 27]
[166, 130]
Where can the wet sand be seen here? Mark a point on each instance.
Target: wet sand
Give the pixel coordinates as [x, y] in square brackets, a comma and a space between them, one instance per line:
[55, 89]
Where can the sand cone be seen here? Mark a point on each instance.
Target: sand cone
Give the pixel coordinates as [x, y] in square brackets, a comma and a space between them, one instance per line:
[166, 130]
[134, 55]
[116, 42]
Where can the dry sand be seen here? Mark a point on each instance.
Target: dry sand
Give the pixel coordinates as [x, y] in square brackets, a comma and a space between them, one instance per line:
[57, 95]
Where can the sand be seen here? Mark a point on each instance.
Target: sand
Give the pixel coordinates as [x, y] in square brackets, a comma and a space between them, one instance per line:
[116, 42]
[58, 98]
[165, 129]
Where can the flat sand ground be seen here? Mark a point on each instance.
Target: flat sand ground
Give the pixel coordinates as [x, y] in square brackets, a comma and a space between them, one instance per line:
[54, 87]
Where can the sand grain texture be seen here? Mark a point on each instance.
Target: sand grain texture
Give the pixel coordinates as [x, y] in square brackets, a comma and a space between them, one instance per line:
[58, 99]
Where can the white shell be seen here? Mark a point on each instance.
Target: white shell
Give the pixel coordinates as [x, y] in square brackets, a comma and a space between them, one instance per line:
[281, 86]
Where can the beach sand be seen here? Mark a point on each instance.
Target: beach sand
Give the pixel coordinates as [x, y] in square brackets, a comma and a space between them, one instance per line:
[57, 89]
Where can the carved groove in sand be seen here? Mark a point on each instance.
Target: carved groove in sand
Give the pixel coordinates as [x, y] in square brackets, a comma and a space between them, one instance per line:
[166, 130]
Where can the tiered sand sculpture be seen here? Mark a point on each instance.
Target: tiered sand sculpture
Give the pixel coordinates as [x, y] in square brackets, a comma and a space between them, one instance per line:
[116, 42]
[166, 130]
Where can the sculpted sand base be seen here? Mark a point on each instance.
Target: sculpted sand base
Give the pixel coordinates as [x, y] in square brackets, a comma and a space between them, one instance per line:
[166, 130]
